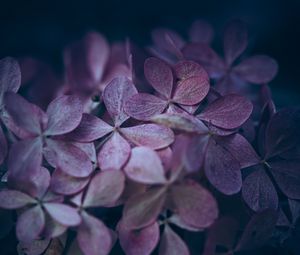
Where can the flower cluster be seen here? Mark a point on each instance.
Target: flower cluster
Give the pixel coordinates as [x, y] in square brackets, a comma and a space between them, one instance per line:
[139, 149]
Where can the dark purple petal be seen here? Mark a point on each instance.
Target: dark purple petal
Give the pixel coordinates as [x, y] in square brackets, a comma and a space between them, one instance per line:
[114, 153]
[186, 69]
[228, 112]
[150, 135]
[64, 115]
[259, 192]
[30, 224]
[194, 204]
[3, 146]
[13, 199]
[53, 228]
[222, 169]
[115, 95]
[37, 247]
[104, 189]
[258, 69]
[235, 40]
[145, 166]
[295, 209]
[143, 106]
[10, 76]
[142, 241]
[40, 183]
[201, 32]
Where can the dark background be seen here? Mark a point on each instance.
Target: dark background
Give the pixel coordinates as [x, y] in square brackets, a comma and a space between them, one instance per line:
[43, 28]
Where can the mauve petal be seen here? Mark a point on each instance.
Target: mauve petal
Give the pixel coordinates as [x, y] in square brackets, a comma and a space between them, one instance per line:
[150, 135]
[114, 153]
[93, 236]
[194, 204]
[13, 199]
[186, 69]
[64, 115]
[90, 129]
[177, 221]
[143, 106]
[166, 156]
[222, 169]
[40, 182]
[228, 112]
[142, 209]
[259, 192]
[10, 76]
[141, 242]
[89, 149]
[258, 69]
[68, 157]
[3, 146]
[159, 75]
[201, 31]
[30, 224]
[53, 228]
[172, 244]
[115, 95]
[104, 189]
[145, 166]
[235, 40]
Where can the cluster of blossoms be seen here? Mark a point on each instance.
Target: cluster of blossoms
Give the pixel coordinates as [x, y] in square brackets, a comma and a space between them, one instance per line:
[135, 149]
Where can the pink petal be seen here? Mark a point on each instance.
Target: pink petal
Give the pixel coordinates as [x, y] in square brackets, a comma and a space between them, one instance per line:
[13, 199]
[201, 32]
[191, 91]
[104, 189]
[258, 69]
[186, 69]
[116, 93]
[159, 75]
[143, 106]
[222, 169]
[228, 112]
[64, 115]
[10, 76]
[90, 129]
[150, 135]
[114, 153]
[235, 40]
[172, 244]
[141, 242]
[3, 145]
[93, 236]
[195, 205]
[142, 209]
[30, 224]
[63, 214]
[145, 166]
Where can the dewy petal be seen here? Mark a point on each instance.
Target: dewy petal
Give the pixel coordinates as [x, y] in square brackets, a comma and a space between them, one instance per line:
[142, 209]
[30, 224]
[222, 169]
[186, 69]
[3, 145]
[143, 106]
[258, 69]
[259, 192]
[93, 236]
[228, 112]
[159, 75]
[63, 214]
[89, 129]
[201, 32]
[104, 189]
[64, 113]
[116, 93]
[191, 91]
[10, 76]
[172, 244]
[141, 242]
[13, 199]
[145, 166]
[150, 135]
[235, 40]
[114, 153]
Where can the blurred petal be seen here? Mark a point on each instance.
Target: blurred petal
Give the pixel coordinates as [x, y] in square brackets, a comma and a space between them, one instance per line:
[53, 228]
[177, 221]
[36, 247]
[201, 31]
[13, 199]
[10, 76]
[3, 145]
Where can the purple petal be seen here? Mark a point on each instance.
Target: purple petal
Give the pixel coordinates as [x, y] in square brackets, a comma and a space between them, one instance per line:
[165, 156]
[93, 236]
[30, 224]
[176, 220]
[141, 242]
[104, 189]
[143, 106]
[63, 214]
[235, 40]
[10, 76]
[258, 69]
[3, 146]
[64, 115]
[13, 199]
[295, 209]
[150, 135]
[145, 166]
[89, 149]
[201, 32]
[159, 75]
[222, 169]
[116, 93]
[53, 228]
[37, 247]
[114, 153]
[172, 244]
[40, 182]
[228, 112]
[186, 69]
